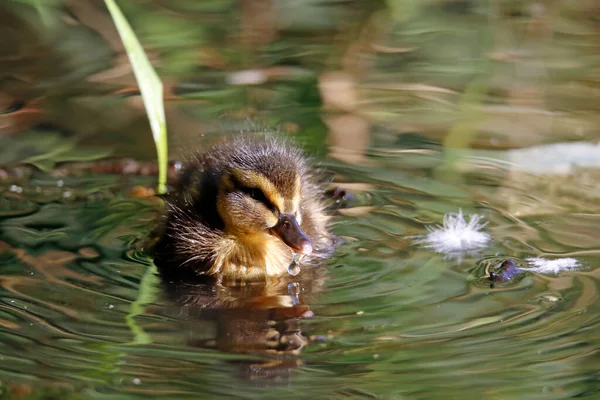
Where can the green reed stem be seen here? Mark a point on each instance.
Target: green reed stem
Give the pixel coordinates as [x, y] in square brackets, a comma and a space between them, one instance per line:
[151, 89]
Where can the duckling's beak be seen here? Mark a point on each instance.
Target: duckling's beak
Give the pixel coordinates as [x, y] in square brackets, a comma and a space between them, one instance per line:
[288, 230]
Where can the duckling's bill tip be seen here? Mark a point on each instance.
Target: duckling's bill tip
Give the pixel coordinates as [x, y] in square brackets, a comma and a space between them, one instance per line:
[305, 248]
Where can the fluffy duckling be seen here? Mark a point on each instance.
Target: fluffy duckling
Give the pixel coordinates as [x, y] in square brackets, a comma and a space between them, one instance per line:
[241, 209]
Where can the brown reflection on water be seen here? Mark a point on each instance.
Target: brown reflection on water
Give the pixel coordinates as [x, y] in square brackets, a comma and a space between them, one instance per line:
[51, 267]
[260, 318]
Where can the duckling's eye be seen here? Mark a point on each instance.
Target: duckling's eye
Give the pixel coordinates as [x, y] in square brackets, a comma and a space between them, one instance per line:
[255, 193]
[258, 195]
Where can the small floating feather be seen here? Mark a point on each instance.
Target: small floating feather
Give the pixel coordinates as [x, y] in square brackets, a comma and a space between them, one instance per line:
[544, 266]
[456, 234]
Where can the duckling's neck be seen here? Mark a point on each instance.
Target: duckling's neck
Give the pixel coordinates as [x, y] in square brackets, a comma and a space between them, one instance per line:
[251, 257]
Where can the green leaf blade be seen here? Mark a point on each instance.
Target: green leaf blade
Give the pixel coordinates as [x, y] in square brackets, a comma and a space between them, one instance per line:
[151, 89]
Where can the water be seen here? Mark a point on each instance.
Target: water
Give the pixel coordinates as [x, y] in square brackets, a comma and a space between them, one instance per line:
[83, 313]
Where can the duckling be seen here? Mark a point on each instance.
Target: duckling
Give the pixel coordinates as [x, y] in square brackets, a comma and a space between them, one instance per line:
[243, 210]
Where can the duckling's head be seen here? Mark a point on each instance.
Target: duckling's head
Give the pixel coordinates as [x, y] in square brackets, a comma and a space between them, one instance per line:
[260, 193]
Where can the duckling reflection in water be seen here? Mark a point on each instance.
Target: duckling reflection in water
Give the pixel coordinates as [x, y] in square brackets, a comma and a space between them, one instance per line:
[258, 318]
[241, 210]
[261, 317]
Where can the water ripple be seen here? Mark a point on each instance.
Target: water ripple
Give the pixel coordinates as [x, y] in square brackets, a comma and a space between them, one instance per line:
[81, 309]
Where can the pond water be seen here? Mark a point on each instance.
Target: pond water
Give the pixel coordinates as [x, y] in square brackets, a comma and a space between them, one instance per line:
[84, 314]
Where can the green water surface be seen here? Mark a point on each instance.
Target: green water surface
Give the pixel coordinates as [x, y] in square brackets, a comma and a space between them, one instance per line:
[450, 91]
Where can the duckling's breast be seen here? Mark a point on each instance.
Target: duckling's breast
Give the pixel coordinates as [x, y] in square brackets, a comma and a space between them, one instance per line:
[251, 257]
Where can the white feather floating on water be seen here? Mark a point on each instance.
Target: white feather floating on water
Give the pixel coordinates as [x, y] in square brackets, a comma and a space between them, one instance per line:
[457, 235]
[544, 266]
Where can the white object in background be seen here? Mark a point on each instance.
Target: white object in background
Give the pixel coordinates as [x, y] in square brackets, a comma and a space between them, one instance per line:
[456, 234]
[544, 266]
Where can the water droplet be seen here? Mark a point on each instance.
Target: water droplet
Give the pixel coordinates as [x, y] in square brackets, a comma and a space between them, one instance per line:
[294, 291]
[137, 381]
[294, 267]
[67, 194]
[60, 183]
